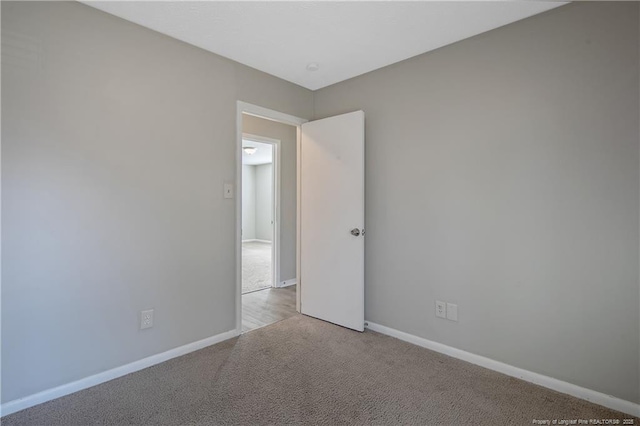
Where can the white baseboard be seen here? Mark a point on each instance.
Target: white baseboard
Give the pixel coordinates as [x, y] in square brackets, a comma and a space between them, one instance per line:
[599, 398]
[287, 283]
[538, 379]
[66, 389]
[256, 241]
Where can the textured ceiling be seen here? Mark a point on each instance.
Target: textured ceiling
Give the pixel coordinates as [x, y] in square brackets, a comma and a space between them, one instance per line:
[345, 39]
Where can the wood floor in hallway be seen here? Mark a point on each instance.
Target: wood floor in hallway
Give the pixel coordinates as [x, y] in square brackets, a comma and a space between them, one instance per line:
[265, 307]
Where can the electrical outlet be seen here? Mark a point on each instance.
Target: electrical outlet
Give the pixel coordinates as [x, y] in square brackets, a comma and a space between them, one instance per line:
[146, 319]
[452, 312]
[441, 309]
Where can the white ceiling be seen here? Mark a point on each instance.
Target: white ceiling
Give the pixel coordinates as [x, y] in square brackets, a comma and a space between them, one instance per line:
[345, 39]
[264, 154]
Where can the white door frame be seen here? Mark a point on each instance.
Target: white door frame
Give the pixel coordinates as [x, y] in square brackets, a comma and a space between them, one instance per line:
[275, 213]
[268, 114]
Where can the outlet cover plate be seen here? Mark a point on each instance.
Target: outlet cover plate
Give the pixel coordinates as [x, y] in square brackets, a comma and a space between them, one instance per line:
[452, 312]
[146, 319]
[441, 309]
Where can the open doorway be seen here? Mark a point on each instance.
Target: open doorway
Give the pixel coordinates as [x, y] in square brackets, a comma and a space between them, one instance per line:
[328, 172]
[267, 189]
[258, 213]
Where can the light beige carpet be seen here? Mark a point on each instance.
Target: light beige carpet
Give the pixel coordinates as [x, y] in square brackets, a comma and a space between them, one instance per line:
[256, 266]
[305, 371]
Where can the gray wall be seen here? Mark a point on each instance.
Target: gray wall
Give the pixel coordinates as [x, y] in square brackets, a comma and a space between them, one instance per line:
[116, 141]
[519, 149]
[288, 154]
[264, 202]
[248, 202]
[503, 175]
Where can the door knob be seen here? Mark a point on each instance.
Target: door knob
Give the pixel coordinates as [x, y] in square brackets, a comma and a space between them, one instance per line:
[355, 232]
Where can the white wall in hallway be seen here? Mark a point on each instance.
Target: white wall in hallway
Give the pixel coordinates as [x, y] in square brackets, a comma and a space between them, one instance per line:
[257, 202]
[264, 202]
[248, 202]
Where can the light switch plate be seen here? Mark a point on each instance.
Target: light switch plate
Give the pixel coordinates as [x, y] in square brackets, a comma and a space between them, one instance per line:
[228, 190]
[441, 309]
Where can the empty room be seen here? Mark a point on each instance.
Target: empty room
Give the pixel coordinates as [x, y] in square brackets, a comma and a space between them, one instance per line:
[320, 212]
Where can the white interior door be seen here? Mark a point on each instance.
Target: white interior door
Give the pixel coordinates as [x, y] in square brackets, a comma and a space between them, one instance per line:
[332, 220]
